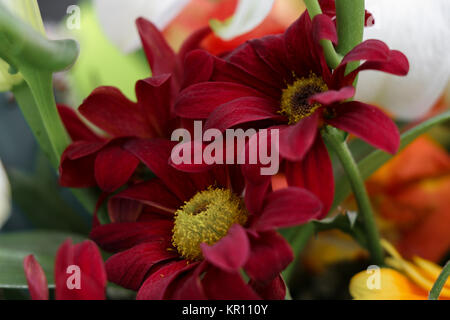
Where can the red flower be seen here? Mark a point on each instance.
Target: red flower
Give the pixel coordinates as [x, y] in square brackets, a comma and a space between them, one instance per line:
[95, 160]
[188, 235]
[86, 257]
[283, 81]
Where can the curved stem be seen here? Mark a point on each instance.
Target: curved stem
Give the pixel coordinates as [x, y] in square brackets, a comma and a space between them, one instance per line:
[440, 282]
[333, 138]
[332, 57]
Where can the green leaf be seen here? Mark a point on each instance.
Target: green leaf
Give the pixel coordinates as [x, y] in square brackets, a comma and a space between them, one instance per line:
[39, 198]
[347, 222]
[14, 247]
[377, 158]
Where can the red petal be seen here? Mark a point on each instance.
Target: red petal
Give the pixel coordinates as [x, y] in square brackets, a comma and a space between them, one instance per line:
[156, 285]
[114, 167]
[155, 154]
[160, 56]
[287, 207]
[270, 254]
[368, 123]
[154, 97]
[199, 100]
[242, 110]
[275, 290]
[255, 195]
[110, 110]
[296, 140]
[124, 210]
[37, 282]
[129, 268]
[92, 274]
[332, 96]
[324, 28]
[191, 288]
[76, 128]
[300, 47]
[314, 173]
[246, 58]
[152, 193]
[271, 49]
[198, 67]
[231, 252]
[374, 50]
[221, 285]
[77, 165]
[193, 42]
[114, 237]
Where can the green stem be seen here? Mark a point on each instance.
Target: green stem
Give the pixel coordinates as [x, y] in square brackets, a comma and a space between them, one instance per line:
[333, 138]
[350, 17]
[20, 43]
[40, 84]
[440, 282]
[25, 100]
[298, 242]
[332, 57]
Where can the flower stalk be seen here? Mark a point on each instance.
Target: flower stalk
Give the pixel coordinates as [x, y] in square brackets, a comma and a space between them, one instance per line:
[332, 57]
[333, 138]
[440, 282]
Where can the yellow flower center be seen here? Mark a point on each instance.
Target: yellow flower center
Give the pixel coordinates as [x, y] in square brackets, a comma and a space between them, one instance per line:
[206, 217]
[294, 100]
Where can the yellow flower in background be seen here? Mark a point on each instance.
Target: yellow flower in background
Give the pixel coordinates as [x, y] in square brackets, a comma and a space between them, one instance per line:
[28, 11]
[407, 280]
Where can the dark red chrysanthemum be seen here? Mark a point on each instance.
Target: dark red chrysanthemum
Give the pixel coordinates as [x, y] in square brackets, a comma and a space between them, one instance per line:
[188, 235]
[283, 82]
[91, 282]
[100, 160]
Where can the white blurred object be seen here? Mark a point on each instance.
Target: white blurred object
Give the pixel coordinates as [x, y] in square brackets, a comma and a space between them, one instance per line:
[5, 197]
[248, 15]
[118, 17]
[421, 30]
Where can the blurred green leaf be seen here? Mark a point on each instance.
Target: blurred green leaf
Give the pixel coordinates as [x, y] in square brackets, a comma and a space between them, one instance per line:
[14, 247]
[347, 222]
[39, 198]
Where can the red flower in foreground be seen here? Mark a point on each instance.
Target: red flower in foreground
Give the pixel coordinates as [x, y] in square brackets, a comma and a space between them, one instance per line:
[283, 82]
[188, 235]
[86, 257]
[97, 160]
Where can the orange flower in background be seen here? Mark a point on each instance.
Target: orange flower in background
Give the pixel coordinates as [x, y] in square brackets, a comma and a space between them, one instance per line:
[409, 280]
[411, 194]
[198, 13]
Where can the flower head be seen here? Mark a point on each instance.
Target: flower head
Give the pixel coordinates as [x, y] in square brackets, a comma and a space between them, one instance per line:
[406, 281]
[100, 159]
[185, 235]
[282, 81]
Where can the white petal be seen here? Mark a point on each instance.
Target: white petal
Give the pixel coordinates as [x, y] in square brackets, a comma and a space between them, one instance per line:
[421, 30]
[5, 197]
[118, 17]
[249, 14]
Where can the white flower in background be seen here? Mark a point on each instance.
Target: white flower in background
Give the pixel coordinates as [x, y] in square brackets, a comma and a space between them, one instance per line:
[28, 11]
[421, 30]
[249, 14]
[5, 197]
[118, 17]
